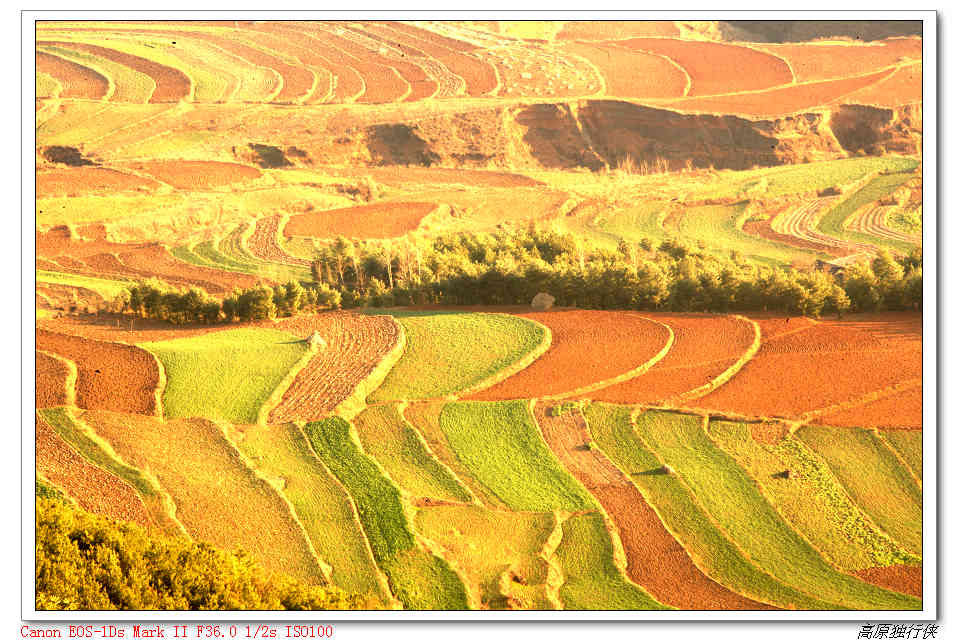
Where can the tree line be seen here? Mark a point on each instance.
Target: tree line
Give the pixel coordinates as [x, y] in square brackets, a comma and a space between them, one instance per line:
[507, 268]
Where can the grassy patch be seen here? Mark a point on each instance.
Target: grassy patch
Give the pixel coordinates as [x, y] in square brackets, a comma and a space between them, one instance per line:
[832, 223]
[225, 375]
[449, 352]
[811, 499]
[419, 579]
[322, 504]
[909, 222]
[684, 516]
[635, 223]
[108, 289]
[499, 552]
[502, 447]
[873, 477]
[908, 444]
[730, 497]
[100, 453]
[592, 580]
[397, 446]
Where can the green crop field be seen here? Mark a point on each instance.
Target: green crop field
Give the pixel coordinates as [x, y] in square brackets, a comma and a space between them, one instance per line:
[635, 224]
[502, 447]
[494, 548]
[453, 351]
[592, 580]
[685, 516]
[321, 503]
[874, 478]
[811, 499]
[107, 288]
[908, 444]
[418, 579]
[731, 498]
[832, 223]
[404, 455]
[225, 375]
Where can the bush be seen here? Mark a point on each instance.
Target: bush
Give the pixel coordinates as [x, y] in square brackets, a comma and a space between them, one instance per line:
[87, 562]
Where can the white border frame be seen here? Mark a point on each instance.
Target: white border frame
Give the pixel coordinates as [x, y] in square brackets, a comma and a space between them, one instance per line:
[930, 443]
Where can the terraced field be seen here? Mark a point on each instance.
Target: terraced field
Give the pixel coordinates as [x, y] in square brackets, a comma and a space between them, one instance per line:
[398, 440]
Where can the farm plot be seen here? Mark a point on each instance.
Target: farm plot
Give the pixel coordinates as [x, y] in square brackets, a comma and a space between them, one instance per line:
[320, 502]
[616, 29]
[592, 579]
[121, 378]
[99, 453]
[196, 175]
[357, 347]
[824, 61]
[409, 62]
[715, 68]
[684, 516]
[381, 220]
[588, 348]
[398, 448]
[218, 498]
[94, 489]
[128, 84]
[47, 87]
[803, 489]
[906, 579]
[158, 261]
[406, 176]
[818, 370]
[874, 478]
[76, 80]
[264, 244]
[502, 555]
[449, 352]
[872, 220]
[77, 181]
[730, 497]
[635, 223]
[225, 375]
[55, 381]
[719, 228]
[633, 74]
[903, 87]
[908, 445]
[171, 84]
[424, 417]
[655, 559]
[233, 247]
[501, 446]
[834, 222]
[705, 346]
[781, 101]
[798, 226]
[419, 579]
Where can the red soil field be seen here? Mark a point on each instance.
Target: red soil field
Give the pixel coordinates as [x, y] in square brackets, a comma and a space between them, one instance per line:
[821, 365]
[705, 346]
[218, 498]
[355, 344]
[900, 578]
[51, 381]
[717, 68]
[901, 410]
[435, 38]
[349, 84]
[616, 29]
[398, 177]
[633, 74]
[381, 220]
[318, 67]
[77, 81]
[587, 347]
[120, 378]
[156, 260]
[172, 85]
[480, 76]
[656, 561]
[262, 242]
[117, 329]
[94, 489]
[77, 181]
[382, 82]
[813, 61]
[902, 88]
[781, 101]
[197, 175]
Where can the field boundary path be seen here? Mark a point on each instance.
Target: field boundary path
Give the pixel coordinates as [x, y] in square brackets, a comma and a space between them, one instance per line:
[727, 375]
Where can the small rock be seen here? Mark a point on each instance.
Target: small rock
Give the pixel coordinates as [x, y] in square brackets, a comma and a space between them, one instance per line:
[543, 301]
